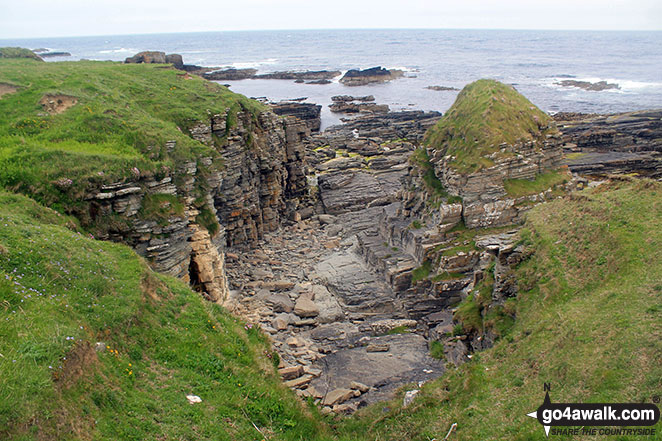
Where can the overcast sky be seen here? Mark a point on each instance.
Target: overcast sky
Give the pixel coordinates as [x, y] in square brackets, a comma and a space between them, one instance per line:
[59, 18]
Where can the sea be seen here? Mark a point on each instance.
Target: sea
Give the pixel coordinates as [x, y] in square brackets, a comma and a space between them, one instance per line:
[534, 62]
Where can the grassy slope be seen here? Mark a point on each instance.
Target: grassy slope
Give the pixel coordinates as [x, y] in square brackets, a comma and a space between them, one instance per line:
[61, 292]
[18, 52]
[123, 117]
[589, 320]
[486, 114]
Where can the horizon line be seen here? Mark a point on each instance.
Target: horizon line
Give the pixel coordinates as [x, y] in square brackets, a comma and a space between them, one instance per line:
[333, 29]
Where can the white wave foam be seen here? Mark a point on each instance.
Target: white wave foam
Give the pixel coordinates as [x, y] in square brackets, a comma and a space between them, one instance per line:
[404, 68]
[253, 64]
[119, 51]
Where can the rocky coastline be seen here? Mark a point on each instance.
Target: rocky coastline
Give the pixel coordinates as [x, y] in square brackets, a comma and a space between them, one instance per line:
[353, 248]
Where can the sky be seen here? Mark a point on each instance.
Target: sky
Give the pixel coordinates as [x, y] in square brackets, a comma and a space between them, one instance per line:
[63, 18]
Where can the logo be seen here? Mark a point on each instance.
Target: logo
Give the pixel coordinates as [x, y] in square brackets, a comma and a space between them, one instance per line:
[587, 416]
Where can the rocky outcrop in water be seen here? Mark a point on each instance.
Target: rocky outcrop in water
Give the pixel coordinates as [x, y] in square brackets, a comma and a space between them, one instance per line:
[303, 76]
[442, 88]
[243, 74]
[54, 54]
[587, 85]
[357, 77]
[229, 74]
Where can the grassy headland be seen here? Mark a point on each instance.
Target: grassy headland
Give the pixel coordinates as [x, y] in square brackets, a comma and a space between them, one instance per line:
[70, 125]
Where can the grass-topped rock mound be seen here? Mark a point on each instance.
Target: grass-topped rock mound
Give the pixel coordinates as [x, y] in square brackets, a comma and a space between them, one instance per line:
[486, 119]
[493, 150]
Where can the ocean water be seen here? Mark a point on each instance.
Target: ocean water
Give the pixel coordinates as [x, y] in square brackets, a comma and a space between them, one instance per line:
[533, 61]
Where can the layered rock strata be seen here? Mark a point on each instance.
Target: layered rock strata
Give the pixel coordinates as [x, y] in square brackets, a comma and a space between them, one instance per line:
[256, 182]
[306, 112]
[613, 144]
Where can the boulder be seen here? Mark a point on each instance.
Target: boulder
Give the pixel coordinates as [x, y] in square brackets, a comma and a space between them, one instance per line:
[291, 372]
[355, 385]
[328, 306]
[337, 396]
[305, 307]
[299, 382]
[281, 321]
[280, 302]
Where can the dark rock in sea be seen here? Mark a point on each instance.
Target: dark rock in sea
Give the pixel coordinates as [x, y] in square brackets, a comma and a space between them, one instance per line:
[441, 88]
[293, 75]
[357, 77]
[299, 81]
[54, 54]
[230, 74]
[346, 98]
[309, 113]
[587, 85]
[319, 82]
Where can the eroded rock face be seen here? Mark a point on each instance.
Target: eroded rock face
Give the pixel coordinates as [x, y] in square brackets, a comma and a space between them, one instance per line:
[306, 112]
[263, 182]
[207, 267]
[258, 182]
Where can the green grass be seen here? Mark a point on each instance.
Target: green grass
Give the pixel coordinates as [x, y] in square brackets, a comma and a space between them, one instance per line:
[421, 273]
[416, 225]
[116, 131]
[437, 350]
[588, 320]
[516, 188]
[398, 330]
[462, 239]
[161, 207]
[61, 292]
[486, 114]
[574, 155]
